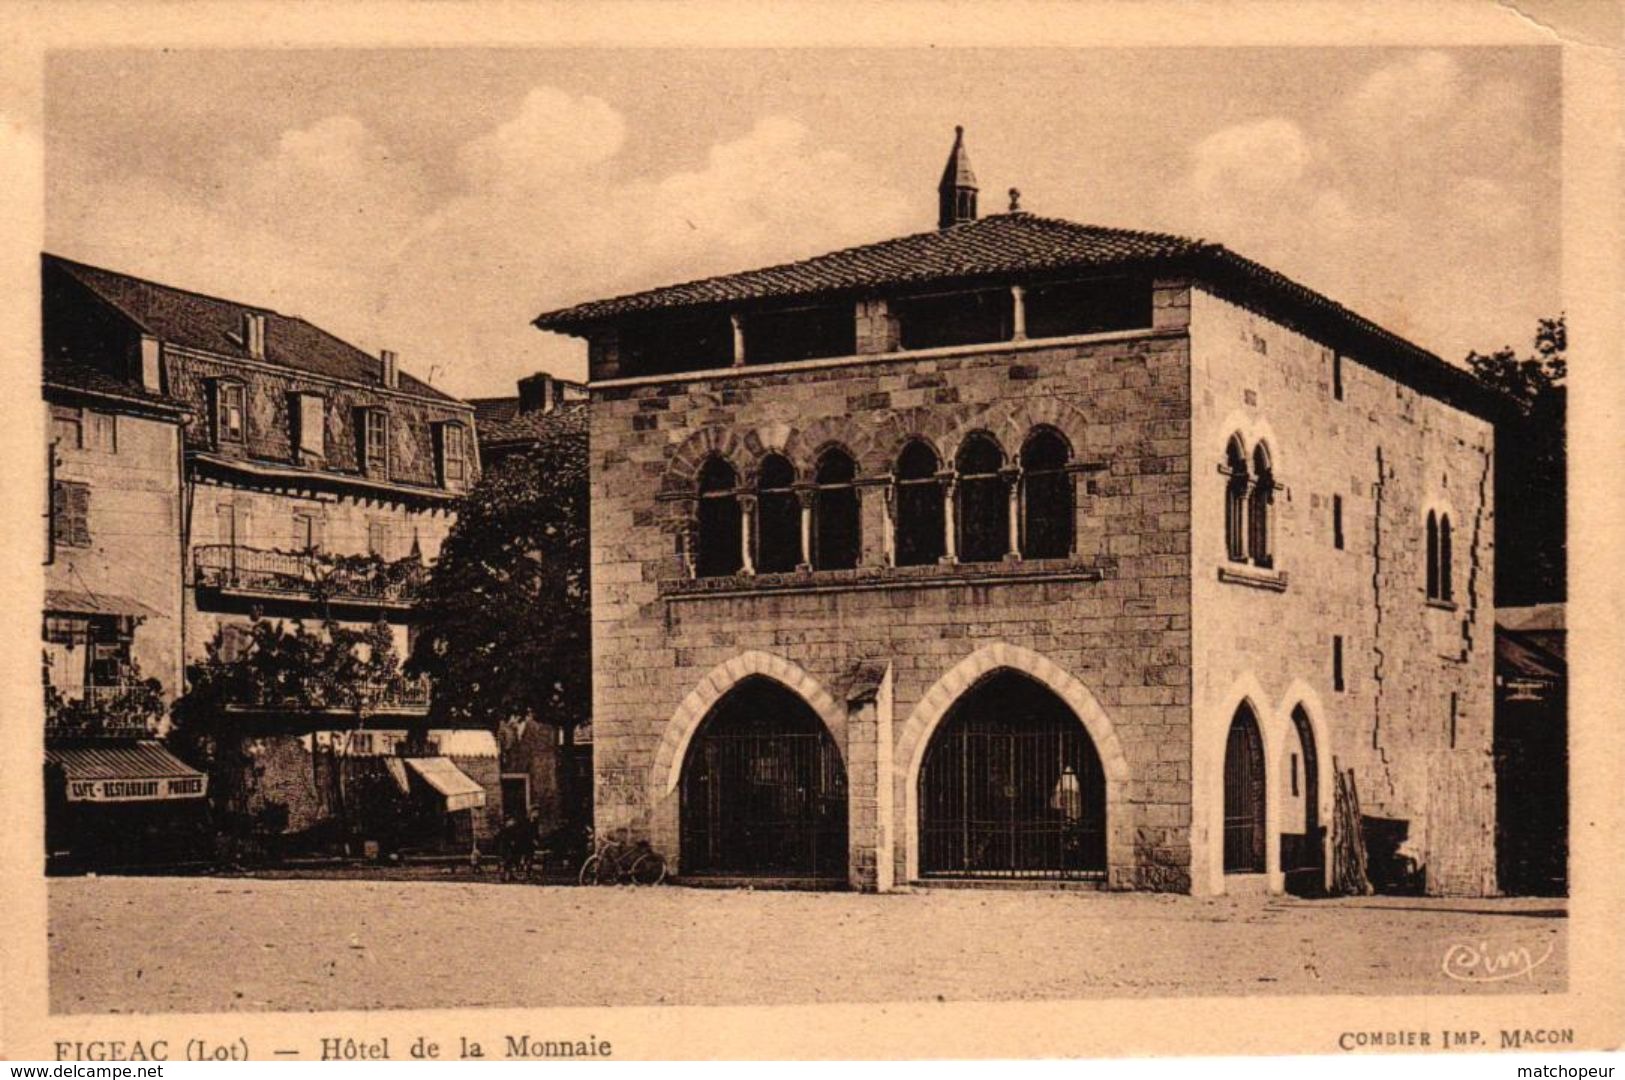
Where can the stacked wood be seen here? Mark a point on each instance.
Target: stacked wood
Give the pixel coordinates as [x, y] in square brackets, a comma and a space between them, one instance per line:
[1349, 876]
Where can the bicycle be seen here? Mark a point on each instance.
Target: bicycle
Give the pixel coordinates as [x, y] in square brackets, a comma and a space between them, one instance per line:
[617, 862]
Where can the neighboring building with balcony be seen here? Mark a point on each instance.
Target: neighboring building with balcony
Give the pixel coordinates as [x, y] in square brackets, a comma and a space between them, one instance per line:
[316, 482]
[1029, 549]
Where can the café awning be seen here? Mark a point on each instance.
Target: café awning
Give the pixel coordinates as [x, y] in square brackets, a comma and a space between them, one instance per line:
[140, 771]
[461, 792]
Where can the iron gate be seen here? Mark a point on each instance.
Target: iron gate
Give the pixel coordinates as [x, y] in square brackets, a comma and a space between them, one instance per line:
[1243, 796]
[1011, 787]
[764, 791]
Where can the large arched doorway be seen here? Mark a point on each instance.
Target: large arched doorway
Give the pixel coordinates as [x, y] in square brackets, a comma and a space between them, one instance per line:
[1303, 848]
[1244, 826]
[1011, 786]
[763, 789]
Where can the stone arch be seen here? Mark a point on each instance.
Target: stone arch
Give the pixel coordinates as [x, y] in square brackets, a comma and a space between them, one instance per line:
[937, 701]
[759, 442]
[805, 446]
[1015, 421]
[1207, 791]
[1300, 695]
[680, 729]
[683, 467]
[897, 429]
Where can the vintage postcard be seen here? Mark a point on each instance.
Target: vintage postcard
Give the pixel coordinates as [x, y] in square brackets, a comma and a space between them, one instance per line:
[741, 530]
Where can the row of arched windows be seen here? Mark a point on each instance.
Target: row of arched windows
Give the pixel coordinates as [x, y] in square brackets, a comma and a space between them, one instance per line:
[1249, 496]
[981, 509]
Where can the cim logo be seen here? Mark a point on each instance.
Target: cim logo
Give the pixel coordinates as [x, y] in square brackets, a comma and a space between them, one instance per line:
[175, 787]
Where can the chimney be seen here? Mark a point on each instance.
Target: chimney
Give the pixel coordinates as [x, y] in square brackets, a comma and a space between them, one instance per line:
[956, 192]
[537, 393]
[254, 334]
[392, 371]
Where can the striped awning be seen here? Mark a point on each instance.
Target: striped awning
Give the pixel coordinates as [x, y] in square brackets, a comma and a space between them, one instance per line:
[461, 792]
[137, 771]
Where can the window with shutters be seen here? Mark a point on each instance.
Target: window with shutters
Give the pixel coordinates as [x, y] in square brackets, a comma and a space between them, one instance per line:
[378, 539]
[307, 530]
[374, 442]
[310, 423]
[67, 427]
[70, 514]
[103, 432]
[453, 455]
[230, 408]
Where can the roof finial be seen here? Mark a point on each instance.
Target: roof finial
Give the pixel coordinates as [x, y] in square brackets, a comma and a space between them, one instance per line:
[956, 193]
[1015, 200]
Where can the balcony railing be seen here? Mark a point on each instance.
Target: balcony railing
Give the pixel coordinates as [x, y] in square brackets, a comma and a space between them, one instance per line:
[395, 694]
[233, 568]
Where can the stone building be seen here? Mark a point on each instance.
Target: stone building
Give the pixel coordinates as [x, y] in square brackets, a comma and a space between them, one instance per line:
[1024, 548]
[112, 619]
[315, 482]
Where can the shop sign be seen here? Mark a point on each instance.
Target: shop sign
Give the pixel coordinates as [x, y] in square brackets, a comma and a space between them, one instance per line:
[146, 790]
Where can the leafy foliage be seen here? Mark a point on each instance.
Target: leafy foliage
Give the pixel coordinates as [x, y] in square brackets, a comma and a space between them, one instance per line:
[504, 628]
[1531, 466]
[135, 710]
[284, 666]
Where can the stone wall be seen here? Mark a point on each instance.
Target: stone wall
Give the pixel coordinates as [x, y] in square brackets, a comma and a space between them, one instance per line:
[1390, 455]
[1111, 625]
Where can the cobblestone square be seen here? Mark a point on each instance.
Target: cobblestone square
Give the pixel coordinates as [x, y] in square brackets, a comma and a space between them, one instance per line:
[117, 945]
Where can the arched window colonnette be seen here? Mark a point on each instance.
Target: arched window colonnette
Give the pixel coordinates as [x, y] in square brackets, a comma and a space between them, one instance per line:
[1440, 571]
[1249, 503]
[982, 508]
[791, 526]
[985, 510]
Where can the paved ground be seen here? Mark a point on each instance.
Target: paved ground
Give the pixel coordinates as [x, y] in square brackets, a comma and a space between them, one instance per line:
[214, 944]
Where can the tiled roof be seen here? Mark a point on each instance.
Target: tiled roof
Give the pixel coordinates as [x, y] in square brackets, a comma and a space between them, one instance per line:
[537, 426]
[1001, 244]
[494, 410]
[193, 320]
[1022, 243]
[73, 375]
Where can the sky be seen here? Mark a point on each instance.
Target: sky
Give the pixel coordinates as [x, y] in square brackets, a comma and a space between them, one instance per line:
[435, 201]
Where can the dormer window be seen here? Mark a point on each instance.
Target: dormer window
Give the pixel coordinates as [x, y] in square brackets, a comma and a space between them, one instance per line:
[374, 442]
[310, 427]
[230, 409]
[453, 445]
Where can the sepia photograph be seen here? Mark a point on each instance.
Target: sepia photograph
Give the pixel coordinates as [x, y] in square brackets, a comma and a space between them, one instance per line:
[652, 525]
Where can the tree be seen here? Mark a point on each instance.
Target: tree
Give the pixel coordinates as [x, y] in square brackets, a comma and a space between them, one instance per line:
[504, 621]
[288, 668]
[1531, 466]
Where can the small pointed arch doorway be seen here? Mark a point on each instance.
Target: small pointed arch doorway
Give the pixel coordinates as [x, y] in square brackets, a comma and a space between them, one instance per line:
[763, 789]
[1244, 795]
[1303, 836]
[1011, 786]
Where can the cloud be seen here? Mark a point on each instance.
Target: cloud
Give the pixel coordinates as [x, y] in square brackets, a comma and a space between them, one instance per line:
[1256, 159]
[553, 136]
[1394, 201]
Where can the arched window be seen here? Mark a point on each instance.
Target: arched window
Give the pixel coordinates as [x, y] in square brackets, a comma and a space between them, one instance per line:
[1046, 496]
[1433, 556]
[1447, 591]
[919, 506]
[717, 548]
[778, 516]
[984, 501]
[835, 512]
[1260, 531]
[1440, 583]
[1235, 500]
